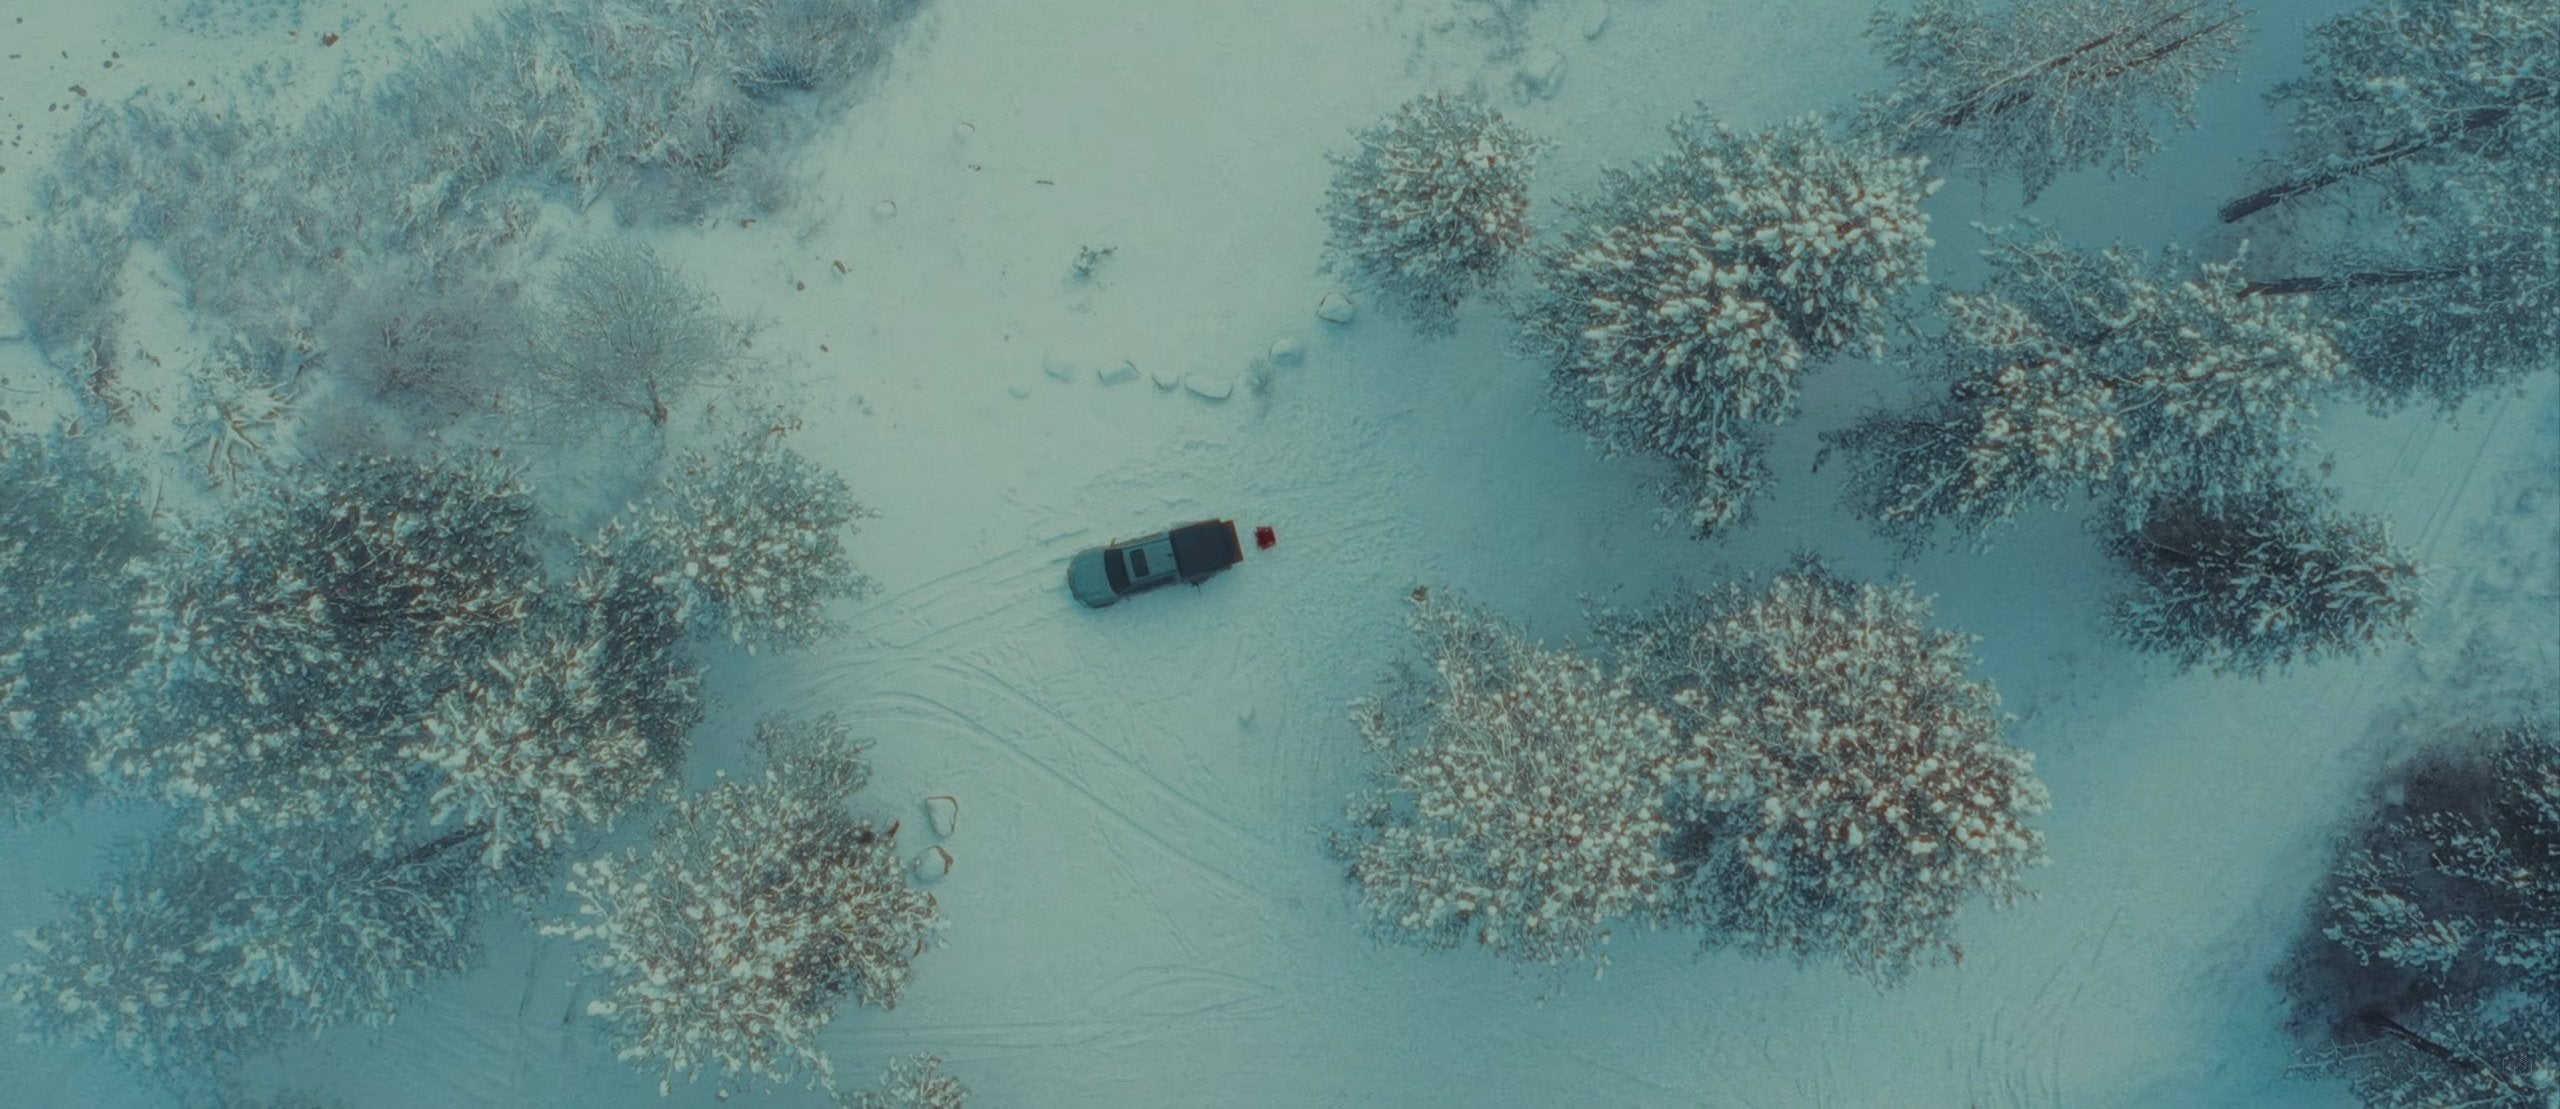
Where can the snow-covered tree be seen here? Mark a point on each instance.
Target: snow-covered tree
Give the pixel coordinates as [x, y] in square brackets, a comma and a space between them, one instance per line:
[620, 330]
[2261, 582]
[295, 645]
[757, 907]
[2103, 373]
[2407, 94]
[2453, 293]
[2448, 903]
[1843, 789]
[70, 528]
[191, 956]
[913, 1082]
[2039, 88]
[1683, 302]
[1519, 806]
[749, 538]
[1432, 205]
[380, 656]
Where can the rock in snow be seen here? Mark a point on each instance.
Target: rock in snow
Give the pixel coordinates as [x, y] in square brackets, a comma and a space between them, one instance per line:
[931, 864]
[1541, 71]
[1122, 373]
[942, 811]
[1287, 352]
[1595, 19]
[1209, 388]
[1336, 308]
[1058, 368]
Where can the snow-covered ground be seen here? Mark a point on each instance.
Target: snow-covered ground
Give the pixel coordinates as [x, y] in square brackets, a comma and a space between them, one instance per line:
[1142, 909]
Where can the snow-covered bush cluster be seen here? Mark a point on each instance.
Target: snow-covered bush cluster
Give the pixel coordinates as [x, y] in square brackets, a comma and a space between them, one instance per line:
[2100, 373]
[1844, 788]
[2039, 88]
[618, 330]
[370, 707]
[2429, 973]
[912, 1082]
[1681, 305]
[1804, 768]
[192, 957]
[295, 233]
[749, 539]
[2276, 577]
[1433, 205]
[1520, 804]
[2432, 130]
[755, 909]
[71, 527]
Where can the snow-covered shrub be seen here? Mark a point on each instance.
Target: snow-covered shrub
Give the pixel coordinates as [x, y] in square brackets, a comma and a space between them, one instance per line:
[1683, 301]
[749, 539]
[2429, 973]
[2409, 93]
[1843, 789]
[913, 1082]
[2102, 373]
[71, 525]
[192, 956]
[2039, 88]
[407, 337]
[2456, 293]
[294, 645]
[756, 908]
[1432, 205]
[65, 289]
[619, 330]
[1519, 806]
[2261, 582]
[236, 412]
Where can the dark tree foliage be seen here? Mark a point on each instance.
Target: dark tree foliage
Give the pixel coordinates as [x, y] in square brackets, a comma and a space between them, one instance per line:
[2262, 582]
[71, 527]
[194, 955]
[2429, 972]
[381, 655]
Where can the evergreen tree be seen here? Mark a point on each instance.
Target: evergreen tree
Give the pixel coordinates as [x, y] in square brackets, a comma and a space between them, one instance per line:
[754, 910]
[2263, 582]
[2101, 373]
[2039, 88]
[1432, 206]
[1686, 298]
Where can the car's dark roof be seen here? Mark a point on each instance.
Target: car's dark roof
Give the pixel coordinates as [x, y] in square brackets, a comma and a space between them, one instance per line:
[1206, 546]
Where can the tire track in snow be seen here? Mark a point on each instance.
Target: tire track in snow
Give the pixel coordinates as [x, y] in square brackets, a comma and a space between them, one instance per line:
[938, 709]
[1133, 1007]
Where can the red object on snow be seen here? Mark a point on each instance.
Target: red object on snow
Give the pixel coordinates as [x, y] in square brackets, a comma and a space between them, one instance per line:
[1264, 538]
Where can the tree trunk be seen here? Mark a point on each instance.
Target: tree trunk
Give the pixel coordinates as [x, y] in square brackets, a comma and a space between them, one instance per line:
[2475, 120]
[2295, 286]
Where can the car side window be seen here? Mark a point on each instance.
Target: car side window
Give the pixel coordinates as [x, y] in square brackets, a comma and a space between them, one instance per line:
[1137, 564]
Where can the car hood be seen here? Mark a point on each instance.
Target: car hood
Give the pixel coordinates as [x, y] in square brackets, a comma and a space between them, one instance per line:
[1088, 580]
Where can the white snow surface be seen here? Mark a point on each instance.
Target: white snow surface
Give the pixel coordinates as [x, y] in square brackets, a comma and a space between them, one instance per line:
[1142, 909]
